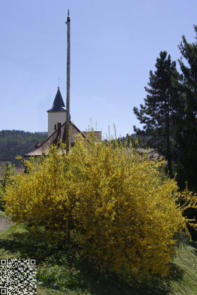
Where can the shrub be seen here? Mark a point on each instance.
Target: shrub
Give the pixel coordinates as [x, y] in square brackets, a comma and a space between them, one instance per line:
[7, 171]
[111, 201]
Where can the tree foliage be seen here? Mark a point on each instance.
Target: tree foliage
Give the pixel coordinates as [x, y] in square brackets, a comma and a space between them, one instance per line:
[7, 171]
[111, 201]
[157, 112]
[186, 136]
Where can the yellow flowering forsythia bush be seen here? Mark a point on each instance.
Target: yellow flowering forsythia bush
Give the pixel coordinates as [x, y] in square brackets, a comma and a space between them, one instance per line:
[112, 201]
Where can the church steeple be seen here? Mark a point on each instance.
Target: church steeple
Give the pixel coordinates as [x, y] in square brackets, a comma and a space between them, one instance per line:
[58, 103]
[57, 114]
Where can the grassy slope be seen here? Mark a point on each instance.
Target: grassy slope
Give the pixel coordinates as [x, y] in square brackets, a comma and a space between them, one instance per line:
[186, 260]
[16, 243]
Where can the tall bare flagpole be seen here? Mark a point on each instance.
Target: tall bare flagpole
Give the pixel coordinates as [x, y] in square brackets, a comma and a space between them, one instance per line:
[68, 83]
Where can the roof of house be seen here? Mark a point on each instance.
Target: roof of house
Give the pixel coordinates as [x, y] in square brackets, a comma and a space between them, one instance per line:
[58, 103]
[59, 134]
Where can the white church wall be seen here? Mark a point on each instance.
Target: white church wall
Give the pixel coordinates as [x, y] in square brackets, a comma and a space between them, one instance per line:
[53, 119]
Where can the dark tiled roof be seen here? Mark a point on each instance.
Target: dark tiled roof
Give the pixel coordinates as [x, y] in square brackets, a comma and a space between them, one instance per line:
[58, 104]
[43, 147]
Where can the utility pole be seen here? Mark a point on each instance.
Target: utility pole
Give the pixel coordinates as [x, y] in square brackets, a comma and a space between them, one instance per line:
[68, 84]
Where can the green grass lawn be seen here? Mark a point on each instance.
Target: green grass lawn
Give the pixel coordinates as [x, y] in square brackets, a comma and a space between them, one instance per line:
[186, 261]
[55, 268]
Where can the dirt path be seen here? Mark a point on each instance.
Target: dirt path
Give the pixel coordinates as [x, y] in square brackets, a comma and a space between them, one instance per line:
[4, 224]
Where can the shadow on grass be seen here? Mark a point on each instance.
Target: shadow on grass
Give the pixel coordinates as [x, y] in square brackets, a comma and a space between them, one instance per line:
[27, 244]
[176, 273]
[98, 284]
[84, 277]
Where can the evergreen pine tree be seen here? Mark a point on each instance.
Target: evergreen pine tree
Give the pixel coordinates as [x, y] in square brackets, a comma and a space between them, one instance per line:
[186, 136]
[159, 108]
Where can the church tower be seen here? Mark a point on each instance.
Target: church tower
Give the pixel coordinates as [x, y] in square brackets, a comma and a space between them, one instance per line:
[60, 127]
[57, 114]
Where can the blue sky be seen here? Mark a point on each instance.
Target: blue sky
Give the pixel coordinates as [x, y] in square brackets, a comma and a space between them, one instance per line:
[114, 45]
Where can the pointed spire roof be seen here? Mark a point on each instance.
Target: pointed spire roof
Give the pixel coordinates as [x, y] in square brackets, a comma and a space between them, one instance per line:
[58, 103]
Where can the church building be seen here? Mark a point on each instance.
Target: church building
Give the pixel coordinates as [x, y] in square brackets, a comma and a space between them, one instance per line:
[60, 126]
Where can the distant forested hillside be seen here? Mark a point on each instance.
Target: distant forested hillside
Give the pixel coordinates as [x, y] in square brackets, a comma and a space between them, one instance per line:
[14, 143]
[17, 143]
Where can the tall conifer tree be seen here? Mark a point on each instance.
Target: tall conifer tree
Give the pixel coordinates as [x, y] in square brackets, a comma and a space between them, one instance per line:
[157, 112]
[187, 133]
